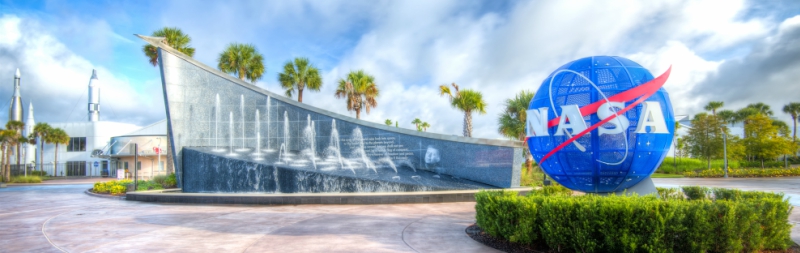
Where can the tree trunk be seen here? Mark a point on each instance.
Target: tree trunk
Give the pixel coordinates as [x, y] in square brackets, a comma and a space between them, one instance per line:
[41, 154]
[18, 155]
[299, 95]
[794, 136]
[7, 172]
[467, 123]
[762, 163]
[55, 164]
[358, 114]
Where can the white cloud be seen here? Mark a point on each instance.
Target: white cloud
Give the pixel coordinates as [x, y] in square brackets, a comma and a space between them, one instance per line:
[56, 79]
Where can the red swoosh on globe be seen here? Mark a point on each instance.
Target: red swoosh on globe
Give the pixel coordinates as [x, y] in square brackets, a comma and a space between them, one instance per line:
[643, 91]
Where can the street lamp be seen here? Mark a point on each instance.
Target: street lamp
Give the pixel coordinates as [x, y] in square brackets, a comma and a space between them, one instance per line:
[725, 152]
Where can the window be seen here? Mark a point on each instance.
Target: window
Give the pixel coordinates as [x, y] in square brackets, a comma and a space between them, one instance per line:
[125, 165]
[76, 144]
[139, 165]
[76, 168]
[161, 166]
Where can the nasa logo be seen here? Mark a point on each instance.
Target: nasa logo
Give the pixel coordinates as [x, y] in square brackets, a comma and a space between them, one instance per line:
[600, 124]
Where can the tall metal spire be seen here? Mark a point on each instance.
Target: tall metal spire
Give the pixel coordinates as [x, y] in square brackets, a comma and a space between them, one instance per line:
[15, 110]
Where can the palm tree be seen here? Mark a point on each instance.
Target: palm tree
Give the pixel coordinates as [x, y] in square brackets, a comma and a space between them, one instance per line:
[175, 39]
[388, 122]
[793, 109]
[57, 136]
[417, 123]
[743, 114]
[425, 126]
[40, 130]
[512, 121]
[761, 108]
[727, 116]
[299, 75]
[17, 126]
[242, 60]
[713, 106]
[359, 90]
[467, 101]
[6, 142]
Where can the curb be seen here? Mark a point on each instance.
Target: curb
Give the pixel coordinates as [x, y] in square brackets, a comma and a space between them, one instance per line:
[175, 196]
[90, 193]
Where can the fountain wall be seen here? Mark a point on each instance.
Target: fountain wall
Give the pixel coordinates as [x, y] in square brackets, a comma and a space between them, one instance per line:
[231, 136]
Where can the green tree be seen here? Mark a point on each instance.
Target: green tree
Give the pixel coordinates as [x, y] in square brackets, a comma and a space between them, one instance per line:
[17, 127]
[57, 136]
[793, 109]
[242, 60]
[511, 122]
[7, 140]
[417, 122]
[466, 100]
[359, 91]
[742, 115]
[40, 131]
[425, 126]
[299, 74]
[388, 122]
[761, 108]
[705, 137]
[175, 38]
[727, 116]
[763, 141]
[713, 106]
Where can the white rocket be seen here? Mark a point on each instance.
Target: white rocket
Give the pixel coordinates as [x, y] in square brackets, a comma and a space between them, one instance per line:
[94, 97]
[15, 109]
[30, 149]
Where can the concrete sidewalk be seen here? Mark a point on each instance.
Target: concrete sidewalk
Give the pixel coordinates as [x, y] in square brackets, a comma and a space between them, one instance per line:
[62, 217]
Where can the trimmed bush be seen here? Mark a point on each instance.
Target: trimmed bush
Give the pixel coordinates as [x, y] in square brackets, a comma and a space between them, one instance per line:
[719, 172]
[38, 173]
[171, 181]
[717, 220]
[112, 187]
[26, 179]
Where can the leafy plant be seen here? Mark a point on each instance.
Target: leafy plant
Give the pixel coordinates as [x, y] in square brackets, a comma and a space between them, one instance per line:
[727, 221]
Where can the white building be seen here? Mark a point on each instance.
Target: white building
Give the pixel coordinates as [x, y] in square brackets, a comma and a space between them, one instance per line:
[88, 152]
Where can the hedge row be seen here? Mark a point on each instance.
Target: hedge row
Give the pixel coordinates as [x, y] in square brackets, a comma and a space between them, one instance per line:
[719, 172]
[714, 220]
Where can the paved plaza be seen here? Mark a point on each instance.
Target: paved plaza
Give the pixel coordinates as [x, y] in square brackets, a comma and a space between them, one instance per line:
[61, 217]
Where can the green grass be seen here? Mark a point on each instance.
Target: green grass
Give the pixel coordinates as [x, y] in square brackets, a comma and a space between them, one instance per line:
[662, 175]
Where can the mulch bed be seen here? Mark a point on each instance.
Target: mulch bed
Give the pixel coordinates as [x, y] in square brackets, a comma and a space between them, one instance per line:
[477, 234]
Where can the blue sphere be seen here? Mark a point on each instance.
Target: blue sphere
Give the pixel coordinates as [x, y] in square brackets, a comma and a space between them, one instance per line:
[598, 162]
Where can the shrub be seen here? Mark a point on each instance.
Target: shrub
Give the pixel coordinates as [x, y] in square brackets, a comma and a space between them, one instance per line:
[719, 172]
[695, 192]
[727, 221]
[38, 173]
[171, 181]
[26, 179]
[670, 193]
[117, 189]
[112, 186]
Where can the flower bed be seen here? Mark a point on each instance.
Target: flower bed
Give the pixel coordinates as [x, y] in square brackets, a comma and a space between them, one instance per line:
[719, 172]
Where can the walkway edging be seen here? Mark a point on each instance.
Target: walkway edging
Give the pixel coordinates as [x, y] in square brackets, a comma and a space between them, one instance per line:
[167, 196]
[90, 193]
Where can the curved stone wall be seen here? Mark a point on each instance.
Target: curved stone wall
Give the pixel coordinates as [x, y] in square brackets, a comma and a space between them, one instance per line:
[227, 126]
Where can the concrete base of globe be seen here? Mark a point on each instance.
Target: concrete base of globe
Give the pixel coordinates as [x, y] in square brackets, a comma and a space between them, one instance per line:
[644, 187]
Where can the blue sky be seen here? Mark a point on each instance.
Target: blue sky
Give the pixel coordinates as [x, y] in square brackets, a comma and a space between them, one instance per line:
[734, 51]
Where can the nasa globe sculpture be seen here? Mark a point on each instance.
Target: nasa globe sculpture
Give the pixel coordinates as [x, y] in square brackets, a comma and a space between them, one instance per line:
[600, 124]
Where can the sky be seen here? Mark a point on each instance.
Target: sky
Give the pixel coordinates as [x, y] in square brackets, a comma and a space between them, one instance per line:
[739, 52]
